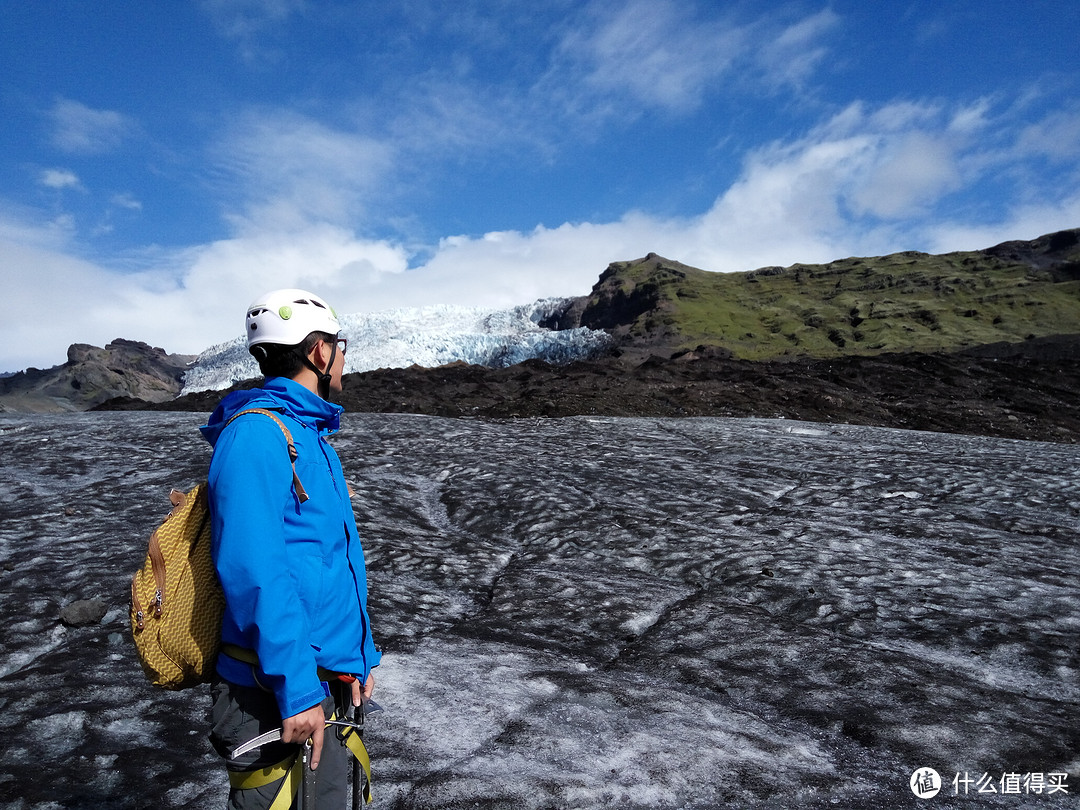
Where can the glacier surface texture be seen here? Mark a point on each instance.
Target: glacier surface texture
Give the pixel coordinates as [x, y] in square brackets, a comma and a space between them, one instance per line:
[592, 613]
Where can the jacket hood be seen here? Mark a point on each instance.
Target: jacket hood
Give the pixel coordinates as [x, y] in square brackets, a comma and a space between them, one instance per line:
[277, 394]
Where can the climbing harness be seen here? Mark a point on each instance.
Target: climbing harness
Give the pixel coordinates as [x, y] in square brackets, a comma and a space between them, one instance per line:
[292, 771]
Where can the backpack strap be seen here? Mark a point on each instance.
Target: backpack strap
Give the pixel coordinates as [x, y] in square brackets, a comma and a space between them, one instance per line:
[300, 493]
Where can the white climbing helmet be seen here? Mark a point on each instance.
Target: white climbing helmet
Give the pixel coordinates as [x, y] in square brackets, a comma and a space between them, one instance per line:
[287, 317]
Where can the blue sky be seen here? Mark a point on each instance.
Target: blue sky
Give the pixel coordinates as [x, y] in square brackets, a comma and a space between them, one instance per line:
[164, 163]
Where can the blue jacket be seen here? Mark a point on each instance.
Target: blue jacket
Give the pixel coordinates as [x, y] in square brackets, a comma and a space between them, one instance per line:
[293, 574]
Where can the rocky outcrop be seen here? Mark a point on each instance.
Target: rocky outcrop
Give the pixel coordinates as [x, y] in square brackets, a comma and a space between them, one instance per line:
[629, 302]
[1059, 253]
[92, 375]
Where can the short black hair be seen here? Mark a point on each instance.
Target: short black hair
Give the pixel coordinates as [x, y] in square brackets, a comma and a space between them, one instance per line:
[278, 360]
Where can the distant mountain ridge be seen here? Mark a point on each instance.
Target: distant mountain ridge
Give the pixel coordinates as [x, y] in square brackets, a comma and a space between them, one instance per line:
[902, 302]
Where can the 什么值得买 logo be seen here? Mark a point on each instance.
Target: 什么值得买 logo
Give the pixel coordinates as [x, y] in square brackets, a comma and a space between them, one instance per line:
[926, 783]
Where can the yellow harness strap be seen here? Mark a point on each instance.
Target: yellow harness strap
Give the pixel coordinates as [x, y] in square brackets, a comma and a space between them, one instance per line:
[357, 749]
[291, 770]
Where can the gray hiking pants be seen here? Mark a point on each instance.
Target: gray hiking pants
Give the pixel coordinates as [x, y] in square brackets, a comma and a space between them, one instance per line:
[238, 714]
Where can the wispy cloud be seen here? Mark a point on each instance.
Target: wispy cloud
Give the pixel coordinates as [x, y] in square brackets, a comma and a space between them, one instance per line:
[606, 62]
[241, 19]
[792, 56]
[292, 170]
[617, 59]
[1056, 137]
[82, 130]
[654, 54]
[60, 179]
[127, 201]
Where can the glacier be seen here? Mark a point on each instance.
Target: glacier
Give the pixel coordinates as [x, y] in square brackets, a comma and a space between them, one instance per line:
[592, 613]
[424, 336]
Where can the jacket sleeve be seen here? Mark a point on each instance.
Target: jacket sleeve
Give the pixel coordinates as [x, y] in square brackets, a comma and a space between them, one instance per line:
[250, 489]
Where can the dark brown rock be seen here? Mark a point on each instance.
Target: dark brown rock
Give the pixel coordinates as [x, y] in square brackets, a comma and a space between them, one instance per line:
[92, 375]
[84, 612]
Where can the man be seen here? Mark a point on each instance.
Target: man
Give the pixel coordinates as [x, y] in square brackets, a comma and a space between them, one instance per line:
[292, 569]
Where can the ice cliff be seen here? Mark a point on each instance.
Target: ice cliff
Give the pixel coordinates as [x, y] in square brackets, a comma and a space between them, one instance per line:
[429, 337]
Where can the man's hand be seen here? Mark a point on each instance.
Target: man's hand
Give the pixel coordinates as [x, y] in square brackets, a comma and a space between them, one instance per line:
[360, 694]
[307, 724]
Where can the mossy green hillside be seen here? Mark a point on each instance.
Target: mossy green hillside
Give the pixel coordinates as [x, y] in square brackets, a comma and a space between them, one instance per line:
[896, 303]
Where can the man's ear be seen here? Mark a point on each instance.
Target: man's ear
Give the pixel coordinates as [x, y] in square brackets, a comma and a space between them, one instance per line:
[320, 355]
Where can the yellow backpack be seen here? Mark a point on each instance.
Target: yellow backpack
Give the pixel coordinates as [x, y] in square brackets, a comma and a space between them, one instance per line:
[176, 599]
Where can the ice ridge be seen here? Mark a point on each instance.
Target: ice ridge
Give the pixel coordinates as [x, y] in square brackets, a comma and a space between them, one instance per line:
[425, 336]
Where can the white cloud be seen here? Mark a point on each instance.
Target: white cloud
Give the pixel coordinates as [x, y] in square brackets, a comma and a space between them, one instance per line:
[21, 225]
[60, 179]
[1027, 220]
[243, 18]
[972, 118]
[186, 302]
[793, 55]
[784, 207]
[653, 52]
[82, 130]
[909, 171]
[872, 181]
[1057, 136]
[859, 171]
[60, 299]
[505, 268]
[616, 57]
[322, 258]
[292, 170]
[128, 201]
